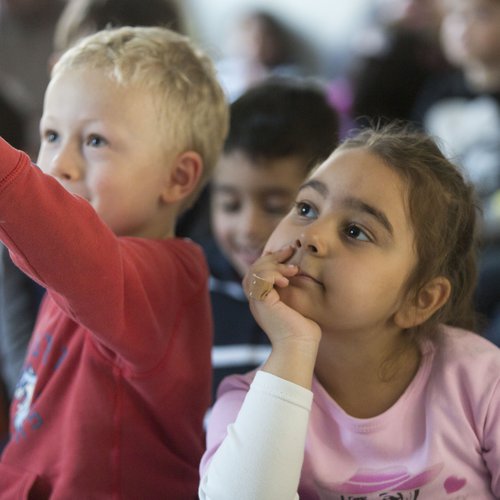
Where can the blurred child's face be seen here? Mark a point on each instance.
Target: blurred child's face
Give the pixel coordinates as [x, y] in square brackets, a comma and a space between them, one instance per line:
[470, 31]
[101, 142]
[415, 15]
[248, 201]
[356, 245]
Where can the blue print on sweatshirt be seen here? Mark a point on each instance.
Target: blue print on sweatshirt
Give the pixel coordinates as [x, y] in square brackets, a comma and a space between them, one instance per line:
[23, 396]
[25, 418]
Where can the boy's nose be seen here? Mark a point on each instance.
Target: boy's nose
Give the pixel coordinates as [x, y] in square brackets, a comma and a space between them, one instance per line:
[250, 223]
[65, 166]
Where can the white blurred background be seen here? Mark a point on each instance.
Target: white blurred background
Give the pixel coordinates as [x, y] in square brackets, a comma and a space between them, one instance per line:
[328, 28]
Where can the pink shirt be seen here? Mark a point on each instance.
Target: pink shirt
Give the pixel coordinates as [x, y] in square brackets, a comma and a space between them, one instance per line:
[440, 440]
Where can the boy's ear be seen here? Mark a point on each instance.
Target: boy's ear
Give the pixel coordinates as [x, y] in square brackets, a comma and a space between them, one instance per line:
[183, 177]
[430, 299]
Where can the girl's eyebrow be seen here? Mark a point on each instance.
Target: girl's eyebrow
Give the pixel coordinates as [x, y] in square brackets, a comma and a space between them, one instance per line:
[318, 186]
[380, 216]
[352, 202]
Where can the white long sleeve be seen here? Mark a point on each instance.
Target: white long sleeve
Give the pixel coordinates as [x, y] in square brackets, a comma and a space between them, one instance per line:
[261, 456]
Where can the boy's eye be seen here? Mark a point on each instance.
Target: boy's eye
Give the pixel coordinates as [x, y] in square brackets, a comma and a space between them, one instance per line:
[356, 233]
[227, 205]
[305, 210]
[95, 141]
[230, 207]
[276, 208]
[482, 13]
[50, 136]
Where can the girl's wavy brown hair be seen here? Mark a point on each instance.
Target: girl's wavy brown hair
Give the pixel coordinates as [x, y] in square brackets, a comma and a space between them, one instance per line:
[442, 208]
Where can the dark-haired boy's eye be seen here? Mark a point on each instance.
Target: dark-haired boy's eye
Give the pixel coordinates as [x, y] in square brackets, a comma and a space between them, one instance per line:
[228, 206]
[277, 209]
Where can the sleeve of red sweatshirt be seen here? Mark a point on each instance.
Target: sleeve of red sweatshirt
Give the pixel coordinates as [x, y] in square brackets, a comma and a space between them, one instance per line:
[127, 291]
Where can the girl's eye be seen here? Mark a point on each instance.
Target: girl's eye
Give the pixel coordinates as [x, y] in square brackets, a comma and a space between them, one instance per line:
[354, 232]
[96, 141]
[305, 210]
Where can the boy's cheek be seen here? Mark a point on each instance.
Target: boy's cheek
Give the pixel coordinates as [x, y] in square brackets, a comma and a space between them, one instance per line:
[271, 245]
[276, 242]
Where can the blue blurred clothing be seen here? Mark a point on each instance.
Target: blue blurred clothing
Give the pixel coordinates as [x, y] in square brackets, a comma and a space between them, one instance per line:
[239, 343]
[20, 299]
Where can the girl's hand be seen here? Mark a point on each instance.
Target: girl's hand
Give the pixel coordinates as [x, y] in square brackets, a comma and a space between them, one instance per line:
[294, 337]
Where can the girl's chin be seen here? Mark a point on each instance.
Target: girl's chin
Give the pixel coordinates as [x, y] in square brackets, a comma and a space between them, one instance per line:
[310, 307]
[294, 298]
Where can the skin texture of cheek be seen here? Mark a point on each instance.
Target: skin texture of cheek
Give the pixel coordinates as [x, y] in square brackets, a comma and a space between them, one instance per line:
[277, 240]
[221, 234]
[222, 237]
[241, 241]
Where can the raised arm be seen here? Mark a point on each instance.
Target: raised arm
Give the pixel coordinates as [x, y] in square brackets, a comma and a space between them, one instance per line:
[97, 278]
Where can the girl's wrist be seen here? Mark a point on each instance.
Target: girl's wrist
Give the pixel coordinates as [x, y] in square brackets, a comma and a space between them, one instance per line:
[293, 361]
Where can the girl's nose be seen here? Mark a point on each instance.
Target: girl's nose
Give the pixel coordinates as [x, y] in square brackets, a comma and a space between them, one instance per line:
[312, 243]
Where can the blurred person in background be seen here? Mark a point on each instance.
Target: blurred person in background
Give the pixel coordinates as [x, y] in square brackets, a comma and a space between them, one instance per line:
[26, 33]
[393, 59]
[12, 351]
[260, 45]
[462, 108]
[83, 17]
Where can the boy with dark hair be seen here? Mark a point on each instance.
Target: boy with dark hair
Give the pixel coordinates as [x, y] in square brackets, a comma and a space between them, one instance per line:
[279, 130]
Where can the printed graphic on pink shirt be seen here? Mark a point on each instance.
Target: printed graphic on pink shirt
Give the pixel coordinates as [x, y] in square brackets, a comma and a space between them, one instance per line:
[394, 483]
[390, 479]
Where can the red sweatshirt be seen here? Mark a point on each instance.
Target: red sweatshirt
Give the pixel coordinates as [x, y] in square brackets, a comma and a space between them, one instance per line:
[117, 377]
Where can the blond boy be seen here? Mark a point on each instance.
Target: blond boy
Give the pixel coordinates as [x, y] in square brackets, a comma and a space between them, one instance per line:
[117, 377]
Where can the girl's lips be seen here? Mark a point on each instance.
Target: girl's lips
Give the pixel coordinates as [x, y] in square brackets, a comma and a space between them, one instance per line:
[307, 277]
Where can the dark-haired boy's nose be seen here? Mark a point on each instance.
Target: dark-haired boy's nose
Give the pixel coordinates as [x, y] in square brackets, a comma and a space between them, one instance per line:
[251, 225]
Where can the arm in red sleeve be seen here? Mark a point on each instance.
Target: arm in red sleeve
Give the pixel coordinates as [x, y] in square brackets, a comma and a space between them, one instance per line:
[118, 288]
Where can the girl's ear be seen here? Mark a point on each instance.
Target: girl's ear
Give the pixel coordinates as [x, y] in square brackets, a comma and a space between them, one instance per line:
[430, 298]
[182, 177]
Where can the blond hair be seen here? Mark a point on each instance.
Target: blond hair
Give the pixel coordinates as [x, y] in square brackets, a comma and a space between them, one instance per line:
[191, 107]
